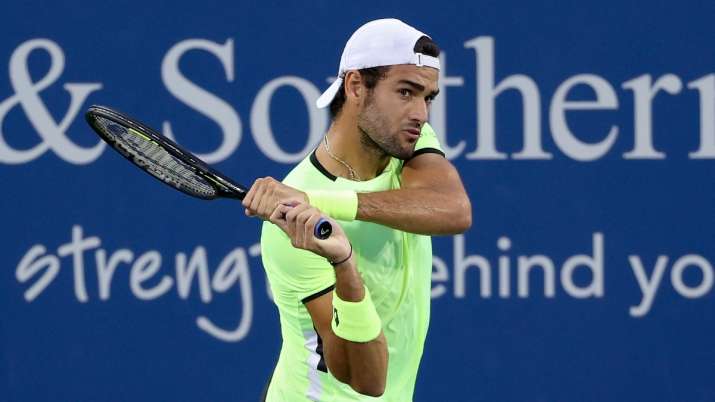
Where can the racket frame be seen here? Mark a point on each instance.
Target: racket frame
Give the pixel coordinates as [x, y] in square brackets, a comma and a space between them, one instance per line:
[224, 186]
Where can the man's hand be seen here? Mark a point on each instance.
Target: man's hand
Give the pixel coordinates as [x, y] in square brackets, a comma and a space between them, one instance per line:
[298, 222]
[266, 194]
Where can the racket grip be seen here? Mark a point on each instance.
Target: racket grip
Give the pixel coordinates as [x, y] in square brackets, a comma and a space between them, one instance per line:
[323, 229]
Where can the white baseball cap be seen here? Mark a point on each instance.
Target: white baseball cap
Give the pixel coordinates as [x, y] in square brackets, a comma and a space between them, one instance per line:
[383, 42]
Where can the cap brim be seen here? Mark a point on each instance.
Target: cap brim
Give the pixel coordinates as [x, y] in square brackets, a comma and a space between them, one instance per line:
[327, 97]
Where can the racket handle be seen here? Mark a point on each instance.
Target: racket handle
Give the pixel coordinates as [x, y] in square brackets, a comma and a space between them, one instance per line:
[323, 229]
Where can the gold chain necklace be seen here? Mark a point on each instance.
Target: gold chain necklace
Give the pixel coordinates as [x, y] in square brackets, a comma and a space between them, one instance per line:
[351, 170]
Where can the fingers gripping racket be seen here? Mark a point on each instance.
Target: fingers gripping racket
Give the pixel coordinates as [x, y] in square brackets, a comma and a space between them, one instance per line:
[167, 161]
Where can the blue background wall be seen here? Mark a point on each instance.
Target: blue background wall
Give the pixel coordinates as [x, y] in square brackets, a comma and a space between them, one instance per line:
[602, 217]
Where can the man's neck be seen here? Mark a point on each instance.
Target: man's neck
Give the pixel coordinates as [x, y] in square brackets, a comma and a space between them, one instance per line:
[347, 144]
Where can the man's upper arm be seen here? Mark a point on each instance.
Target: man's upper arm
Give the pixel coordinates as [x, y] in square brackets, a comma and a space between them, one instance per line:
[321, 312]
[438, 184]
[432, 171]
[429, 169]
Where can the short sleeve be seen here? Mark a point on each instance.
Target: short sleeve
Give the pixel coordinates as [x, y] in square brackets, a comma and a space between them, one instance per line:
[428, 141]
[295, 275]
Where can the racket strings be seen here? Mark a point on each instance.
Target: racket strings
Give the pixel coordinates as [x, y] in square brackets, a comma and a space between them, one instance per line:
[156, 160]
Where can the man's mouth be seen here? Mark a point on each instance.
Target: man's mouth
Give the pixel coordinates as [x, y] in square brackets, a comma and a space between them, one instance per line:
[413, 132]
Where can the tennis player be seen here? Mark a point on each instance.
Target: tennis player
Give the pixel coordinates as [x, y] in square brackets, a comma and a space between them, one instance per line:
[354, 308]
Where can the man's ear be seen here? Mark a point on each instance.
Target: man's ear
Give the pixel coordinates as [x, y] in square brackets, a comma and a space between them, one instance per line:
[354, 87]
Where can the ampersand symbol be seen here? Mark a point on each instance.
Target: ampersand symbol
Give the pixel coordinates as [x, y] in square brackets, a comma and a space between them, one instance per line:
[27, 95]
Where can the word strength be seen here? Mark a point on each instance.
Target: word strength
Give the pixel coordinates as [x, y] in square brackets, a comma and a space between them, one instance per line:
[148, 276]
[580, 276]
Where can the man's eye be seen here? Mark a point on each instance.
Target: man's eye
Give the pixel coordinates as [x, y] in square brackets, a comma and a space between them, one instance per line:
[405, 92]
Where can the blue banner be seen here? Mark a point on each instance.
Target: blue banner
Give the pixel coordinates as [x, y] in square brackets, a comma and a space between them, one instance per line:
[584, 133]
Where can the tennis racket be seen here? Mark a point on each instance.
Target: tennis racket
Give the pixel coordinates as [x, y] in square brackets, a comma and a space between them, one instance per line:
[167, 161]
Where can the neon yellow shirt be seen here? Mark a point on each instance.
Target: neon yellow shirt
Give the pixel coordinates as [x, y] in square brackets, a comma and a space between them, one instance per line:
[396, 267]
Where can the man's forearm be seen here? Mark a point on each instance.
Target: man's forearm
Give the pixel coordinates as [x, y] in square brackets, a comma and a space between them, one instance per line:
[362, 365]
[433, 203]
[421, 211]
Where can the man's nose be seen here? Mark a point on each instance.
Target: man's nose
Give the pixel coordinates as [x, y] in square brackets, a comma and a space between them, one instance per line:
[419, 111]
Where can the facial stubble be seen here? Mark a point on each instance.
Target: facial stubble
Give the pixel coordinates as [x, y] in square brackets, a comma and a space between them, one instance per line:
[375, 136]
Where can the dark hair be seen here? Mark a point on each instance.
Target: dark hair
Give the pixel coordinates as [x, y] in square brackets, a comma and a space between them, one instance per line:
[372, 75]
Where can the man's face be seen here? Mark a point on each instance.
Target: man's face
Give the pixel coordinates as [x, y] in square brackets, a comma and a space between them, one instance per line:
[393, 113]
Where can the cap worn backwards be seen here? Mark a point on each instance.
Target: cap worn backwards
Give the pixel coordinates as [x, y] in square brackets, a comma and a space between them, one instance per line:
[383, 42]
